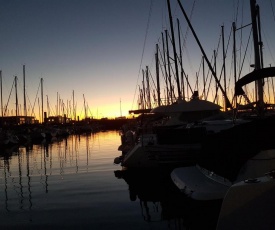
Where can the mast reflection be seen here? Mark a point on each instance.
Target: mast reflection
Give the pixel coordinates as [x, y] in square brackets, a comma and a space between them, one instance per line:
[160, 200]
[6, 168]
[27, 170]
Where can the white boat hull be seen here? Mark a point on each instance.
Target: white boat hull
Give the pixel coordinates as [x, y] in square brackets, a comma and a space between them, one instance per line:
[249, 204]
[200, 184]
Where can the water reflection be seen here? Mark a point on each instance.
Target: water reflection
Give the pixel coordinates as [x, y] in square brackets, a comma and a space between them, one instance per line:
[26, 172]
[160, 200]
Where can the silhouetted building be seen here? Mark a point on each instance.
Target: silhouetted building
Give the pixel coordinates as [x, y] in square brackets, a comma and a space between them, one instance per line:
[17, 120]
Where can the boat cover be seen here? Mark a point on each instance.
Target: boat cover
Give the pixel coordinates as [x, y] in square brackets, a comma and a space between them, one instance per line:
[253, 76]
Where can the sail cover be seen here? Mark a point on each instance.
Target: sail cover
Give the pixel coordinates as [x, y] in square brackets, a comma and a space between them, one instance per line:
[253, 76]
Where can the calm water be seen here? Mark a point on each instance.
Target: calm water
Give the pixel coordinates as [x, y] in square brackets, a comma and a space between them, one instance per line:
[73, 184]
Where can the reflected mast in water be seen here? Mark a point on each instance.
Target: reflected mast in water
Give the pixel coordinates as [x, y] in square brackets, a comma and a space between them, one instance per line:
[32, 174]
[20, 181]
[6, 163]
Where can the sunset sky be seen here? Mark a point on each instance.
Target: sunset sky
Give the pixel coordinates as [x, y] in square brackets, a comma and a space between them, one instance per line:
[98, 48]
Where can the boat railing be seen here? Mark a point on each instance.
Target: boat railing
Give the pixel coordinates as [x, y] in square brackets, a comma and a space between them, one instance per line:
[213, 176]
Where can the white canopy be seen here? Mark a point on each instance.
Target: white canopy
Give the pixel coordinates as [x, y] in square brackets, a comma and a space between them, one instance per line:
[187, 106]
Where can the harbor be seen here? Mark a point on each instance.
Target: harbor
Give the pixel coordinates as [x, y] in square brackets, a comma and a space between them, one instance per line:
[72, 183]
[195, 152]
[215, 151]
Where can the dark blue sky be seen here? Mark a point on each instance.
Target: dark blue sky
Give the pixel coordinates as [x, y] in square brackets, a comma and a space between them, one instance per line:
[95, 47]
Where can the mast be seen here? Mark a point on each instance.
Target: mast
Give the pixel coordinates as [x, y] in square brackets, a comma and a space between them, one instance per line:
[206, 59]
[224, 72]
[174, 49]
[157, 74]
[74, 107]
[259, 83]
[148, 89]
[42, 109]
[234, 56]
[140, 99]
[120, 107]
[57, 104]
[181, 66]
[85, 110]
[203, 76]
[165, 70]
[215, 70]
[143, 90]
[48, 106]
[169, 70]
[24, 82]
[16, 97]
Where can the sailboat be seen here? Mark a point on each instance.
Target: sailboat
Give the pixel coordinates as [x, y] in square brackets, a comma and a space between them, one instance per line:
[175, 136]
[176, 139]
[239, 153]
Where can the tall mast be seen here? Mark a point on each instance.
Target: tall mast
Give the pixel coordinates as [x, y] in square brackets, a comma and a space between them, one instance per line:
[48, 106]
[204, 54]
[174, 49]
[165, 70]
[203, 76]
[74, 108]
[168, 64]
[16, 97]
[259, 83]
[85, 109]
[120, 107]
[157, 74]
[224, 72]
[148, 89]
[42, 109]
[57, 104]
[143, 90]
[234, 56]
[24, 82]
[215, 70]
[181, 66]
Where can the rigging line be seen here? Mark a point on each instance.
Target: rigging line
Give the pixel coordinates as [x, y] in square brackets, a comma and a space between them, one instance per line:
[187, 29]
[161, 66]
[237, 12]
[242, 64]
[267, 43]
[272, 10]
[164, 75]
[208, 72]
[89, 110]
[197, 76]
[28, 98]
[173, 87]
[207, 77]
[186, 78]
[213, 58]
[211, 76]
[241, 36]
[184, 46]
[174, 60]
[32, 113]
[6, 107]
[143, 49]
[223, 66]
[150, 74]
[227, 47]
[26, 93]
[49, 107]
